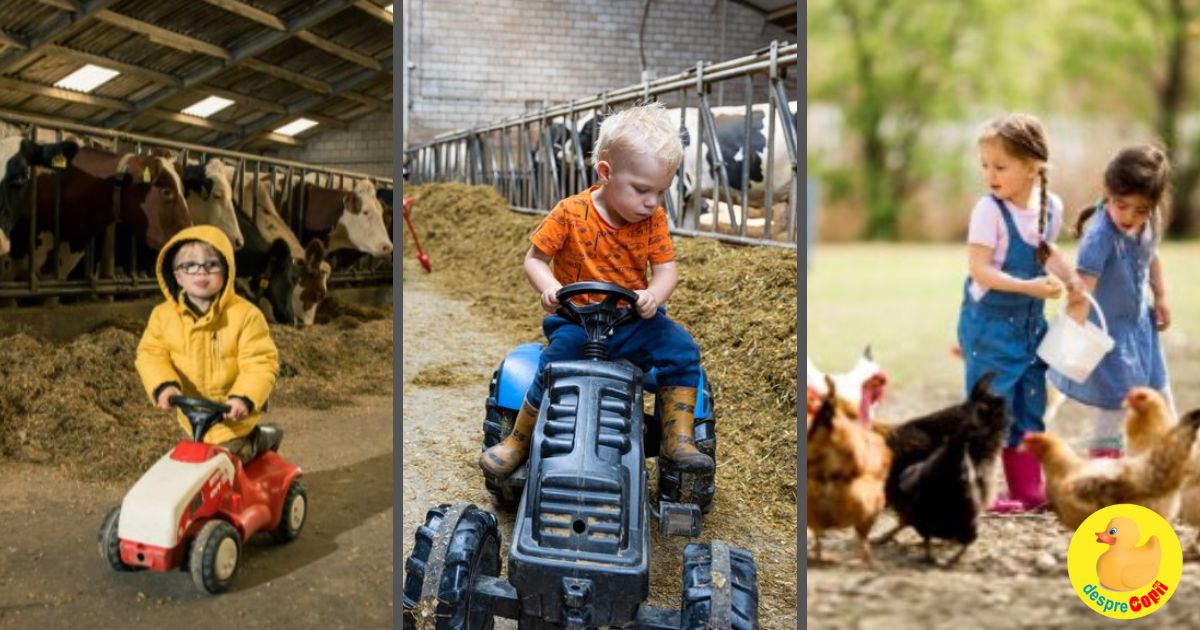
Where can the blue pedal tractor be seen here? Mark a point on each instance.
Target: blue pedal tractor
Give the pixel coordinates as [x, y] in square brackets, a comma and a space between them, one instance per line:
[580, 550]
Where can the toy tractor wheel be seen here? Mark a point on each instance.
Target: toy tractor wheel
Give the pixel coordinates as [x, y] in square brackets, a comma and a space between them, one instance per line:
[110, 544]
[676, 486]
[294, 513]
[720, 587]
[456, 545]
[215, 557]
[497, 424]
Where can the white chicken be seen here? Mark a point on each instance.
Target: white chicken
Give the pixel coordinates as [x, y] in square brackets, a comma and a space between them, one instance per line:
[859, 391]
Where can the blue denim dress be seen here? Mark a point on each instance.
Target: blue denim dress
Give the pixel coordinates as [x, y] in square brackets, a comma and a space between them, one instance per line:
[1000, 333]
[1121, 264]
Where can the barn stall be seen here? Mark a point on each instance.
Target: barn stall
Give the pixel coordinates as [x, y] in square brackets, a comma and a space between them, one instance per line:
[272, 119]
[480, 186]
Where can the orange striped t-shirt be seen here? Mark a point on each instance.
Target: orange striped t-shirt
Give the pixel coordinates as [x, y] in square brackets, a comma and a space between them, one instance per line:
[585, 247]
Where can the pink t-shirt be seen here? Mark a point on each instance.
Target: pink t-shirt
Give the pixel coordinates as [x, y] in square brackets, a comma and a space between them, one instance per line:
[987, 228]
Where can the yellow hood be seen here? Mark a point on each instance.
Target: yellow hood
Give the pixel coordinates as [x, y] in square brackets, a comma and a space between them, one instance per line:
[209, 234]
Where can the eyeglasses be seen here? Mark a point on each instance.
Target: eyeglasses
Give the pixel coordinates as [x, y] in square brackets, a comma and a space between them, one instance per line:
[195, 268]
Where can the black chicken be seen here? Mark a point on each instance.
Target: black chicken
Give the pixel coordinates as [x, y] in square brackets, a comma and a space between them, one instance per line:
[943, 466]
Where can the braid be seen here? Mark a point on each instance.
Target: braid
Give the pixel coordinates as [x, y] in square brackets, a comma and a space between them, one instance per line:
[1084, 216]
[1043, 250]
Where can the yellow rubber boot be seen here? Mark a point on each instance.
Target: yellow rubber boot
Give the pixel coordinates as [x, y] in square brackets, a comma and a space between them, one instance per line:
[678, 410]
[503, 458]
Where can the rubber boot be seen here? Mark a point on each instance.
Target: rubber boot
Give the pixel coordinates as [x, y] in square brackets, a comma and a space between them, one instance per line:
[678, 410]
[1026, 491]
[502, 459]
[1105, 453]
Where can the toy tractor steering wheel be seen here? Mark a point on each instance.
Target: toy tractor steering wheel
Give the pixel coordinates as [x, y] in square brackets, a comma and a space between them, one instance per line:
[598, 319]
[202, 414]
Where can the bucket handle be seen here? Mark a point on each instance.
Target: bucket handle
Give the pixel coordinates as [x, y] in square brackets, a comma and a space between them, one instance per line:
[1095, 305]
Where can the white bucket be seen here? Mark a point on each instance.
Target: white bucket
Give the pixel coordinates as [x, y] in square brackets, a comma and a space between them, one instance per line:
[1075, 350]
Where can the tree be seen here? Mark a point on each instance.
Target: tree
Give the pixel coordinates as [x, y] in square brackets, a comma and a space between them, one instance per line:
[894, 68]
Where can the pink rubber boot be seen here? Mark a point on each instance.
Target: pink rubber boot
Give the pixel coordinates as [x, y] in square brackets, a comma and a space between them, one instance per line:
[1026, 492]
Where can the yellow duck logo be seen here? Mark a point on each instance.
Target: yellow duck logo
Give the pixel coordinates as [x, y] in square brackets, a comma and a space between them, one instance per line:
[1126, 567]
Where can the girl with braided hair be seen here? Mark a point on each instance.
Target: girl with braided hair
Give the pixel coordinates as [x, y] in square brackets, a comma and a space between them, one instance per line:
[1119, 264]
[1013, 269]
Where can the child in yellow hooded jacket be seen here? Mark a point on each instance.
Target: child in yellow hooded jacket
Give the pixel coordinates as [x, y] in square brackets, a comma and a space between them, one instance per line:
[205, 340]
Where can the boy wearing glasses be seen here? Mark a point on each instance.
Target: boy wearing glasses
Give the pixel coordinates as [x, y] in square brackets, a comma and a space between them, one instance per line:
[205, 341]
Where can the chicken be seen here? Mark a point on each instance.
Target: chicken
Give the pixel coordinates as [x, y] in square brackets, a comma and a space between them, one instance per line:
[861, 389]
[1147, 420]
[1077, 487]
[943, 467]
[847, 467]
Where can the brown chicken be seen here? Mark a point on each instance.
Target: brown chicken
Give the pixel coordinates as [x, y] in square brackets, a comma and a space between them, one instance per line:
[1077, 487]
[1151, 420]
[1147, 420]
[847, 467]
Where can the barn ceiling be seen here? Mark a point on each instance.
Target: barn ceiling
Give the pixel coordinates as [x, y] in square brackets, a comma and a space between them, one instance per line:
[277, 60]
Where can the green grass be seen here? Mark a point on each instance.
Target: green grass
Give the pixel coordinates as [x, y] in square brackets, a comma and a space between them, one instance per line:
[904, 299]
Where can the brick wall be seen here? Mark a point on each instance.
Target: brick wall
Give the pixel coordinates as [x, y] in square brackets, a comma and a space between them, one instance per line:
[475, 61]
[365, 147]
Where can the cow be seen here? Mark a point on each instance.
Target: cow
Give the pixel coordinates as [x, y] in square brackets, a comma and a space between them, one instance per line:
[311, 286]
[150, 204]
[729, 125]
[19, 155]
[210, 197]
[341, 219]
[270, 268]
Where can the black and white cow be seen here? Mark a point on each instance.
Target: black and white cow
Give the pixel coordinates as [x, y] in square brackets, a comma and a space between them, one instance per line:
[270, 269]
[729, 124]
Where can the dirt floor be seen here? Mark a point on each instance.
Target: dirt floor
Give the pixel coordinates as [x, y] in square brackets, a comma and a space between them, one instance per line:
[450, 351]
[76, 431]
[1015, 575]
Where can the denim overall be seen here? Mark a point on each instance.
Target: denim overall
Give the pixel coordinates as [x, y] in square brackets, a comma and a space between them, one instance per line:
[1122, 265]
[656, 342]
[1000, 333]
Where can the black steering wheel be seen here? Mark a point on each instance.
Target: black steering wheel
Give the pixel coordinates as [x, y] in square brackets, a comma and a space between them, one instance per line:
[598, 319]
[201, 413]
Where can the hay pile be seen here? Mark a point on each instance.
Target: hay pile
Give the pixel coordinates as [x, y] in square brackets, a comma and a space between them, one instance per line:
[738, 302]
[80, 405]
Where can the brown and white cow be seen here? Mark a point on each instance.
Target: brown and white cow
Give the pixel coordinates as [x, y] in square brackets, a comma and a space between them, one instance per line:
[150, 204]
[342, 219]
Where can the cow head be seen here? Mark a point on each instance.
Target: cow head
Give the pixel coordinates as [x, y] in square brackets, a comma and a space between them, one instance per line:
[19, 156]
[153, 200]
[361, 220]
[210, 198]
[313, 285]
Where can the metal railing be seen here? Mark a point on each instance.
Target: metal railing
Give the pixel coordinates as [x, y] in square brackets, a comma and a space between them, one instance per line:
[105, 272]
[533, 159]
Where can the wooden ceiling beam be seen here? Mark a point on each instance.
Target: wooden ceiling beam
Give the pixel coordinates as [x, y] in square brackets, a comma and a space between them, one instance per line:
[37, 89]
[250, 13]
[369, 101]
[283, 74]
[193, 121]
[239, 98]
[338, 50]
[127, 68]
[162, 36]
[65, 5]
[375, 10]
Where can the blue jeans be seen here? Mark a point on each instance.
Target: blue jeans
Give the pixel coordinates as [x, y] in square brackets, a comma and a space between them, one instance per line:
[657, 342]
